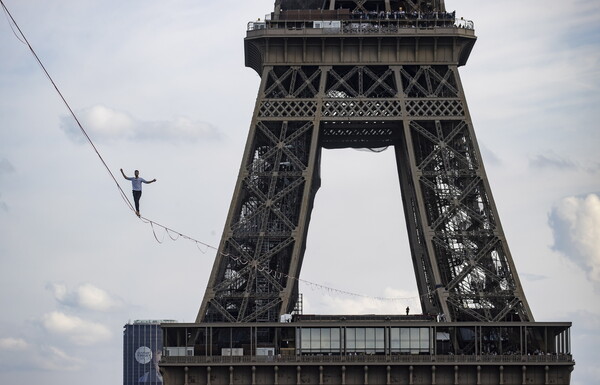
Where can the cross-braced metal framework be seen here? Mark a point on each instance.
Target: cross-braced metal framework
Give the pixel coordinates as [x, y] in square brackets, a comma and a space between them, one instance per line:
[363, 5]
[338, 91]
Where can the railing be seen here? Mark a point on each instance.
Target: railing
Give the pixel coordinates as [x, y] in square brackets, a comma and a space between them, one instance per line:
[368, 358]
[359, 25]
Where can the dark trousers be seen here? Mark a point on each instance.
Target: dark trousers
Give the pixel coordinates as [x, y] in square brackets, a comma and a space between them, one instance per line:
[136, 199]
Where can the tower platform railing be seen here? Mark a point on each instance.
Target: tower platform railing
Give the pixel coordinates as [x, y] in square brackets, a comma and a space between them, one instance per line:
[371, 359]
[362, 25]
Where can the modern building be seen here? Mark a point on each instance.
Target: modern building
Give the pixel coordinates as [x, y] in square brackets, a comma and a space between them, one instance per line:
[381, 350]
[142, 350]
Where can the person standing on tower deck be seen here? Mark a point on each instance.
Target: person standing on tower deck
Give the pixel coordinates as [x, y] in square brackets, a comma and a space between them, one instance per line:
[136, 184]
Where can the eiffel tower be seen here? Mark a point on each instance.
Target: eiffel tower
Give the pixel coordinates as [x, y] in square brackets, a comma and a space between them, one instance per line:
[378, 84]
[364, 74]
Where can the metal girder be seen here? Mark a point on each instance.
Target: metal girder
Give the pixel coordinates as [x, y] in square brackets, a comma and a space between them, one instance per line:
[362, 5]
[461, 259]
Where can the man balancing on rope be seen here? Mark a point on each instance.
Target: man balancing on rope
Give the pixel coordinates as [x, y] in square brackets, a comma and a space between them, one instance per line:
[136, 183]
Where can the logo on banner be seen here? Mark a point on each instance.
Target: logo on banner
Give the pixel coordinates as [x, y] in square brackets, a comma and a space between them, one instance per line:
[143, 355]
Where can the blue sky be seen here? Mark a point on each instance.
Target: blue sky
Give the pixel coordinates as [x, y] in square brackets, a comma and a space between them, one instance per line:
[161, 87]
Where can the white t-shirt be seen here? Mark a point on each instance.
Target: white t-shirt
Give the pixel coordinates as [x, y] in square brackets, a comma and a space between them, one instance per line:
[136, 183]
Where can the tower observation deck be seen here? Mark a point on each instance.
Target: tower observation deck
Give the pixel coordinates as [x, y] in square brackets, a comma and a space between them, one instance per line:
[365, 74]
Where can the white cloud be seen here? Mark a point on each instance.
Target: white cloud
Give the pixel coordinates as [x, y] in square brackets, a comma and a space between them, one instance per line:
[54, 359]
[16, 353]
[94, 298]
[79, 331]
[103, 124]
[575, 222]
[40, 357]
[86, 296]
[10, 343]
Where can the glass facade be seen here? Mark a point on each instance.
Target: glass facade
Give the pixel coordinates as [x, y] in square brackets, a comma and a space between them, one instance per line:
[142, 349]
[320, 340]
[365, 340]
[410, 340]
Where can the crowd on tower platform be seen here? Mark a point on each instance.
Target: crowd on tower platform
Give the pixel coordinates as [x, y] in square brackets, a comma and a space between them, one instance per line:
[402, 15]
[372, 21]
[363, 21]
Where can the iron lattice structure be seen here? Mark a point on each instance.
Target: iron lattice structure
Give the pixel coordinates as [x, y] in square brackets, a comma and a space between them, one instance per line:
[353, 85]
[362, 5]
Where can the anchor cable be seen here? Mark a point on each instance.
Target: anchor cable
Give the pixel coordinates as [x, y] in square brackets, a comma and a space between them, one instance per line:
[64, 101]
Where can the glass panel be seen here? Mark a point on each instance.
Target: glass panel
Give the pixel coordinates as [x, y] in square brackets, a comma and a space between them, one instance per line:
[379, 339]
[335, 339]
[350, 339]
[404, 340]
[370, 339]
[395, 339]
[360, 339]
[414, 340]
[315, 339]
[325, 340]
[414, 337]
[424, 345]
[305, 341]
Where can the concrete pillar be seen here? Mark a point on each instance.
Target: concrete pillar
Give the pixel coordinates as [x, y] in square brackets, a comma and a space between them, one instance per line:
[231, 375]
[478, 374]
[298, 377]
[433, 375]
[366, 375]
[344, 375]
[456, 382]
[389, 376]
[524, 368]
[208, 369]
[501, 375]
[321, 375]
[185, 376]
[276, 375]
[410, 375]
[253, 375]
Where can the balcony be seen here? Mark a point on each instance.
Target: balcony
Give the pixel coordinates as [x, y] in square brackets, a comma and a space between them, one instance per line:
[370, 359]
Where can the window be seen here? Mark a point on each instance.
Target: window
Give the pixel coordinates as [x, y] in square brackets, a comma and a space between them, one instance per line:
[305, 340]
[409, 340]
[360, 339]
[325, 340]
[315, 339]
[350, 339]
[320, 340]
[370, 340]
[395, 339]
[379, 340]
[335, 340]
[365, 340]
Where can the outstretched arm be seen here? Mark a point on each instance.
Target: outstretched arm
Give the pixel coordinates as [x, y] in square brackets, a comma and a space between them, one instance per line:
[151, 181]
[124, 176]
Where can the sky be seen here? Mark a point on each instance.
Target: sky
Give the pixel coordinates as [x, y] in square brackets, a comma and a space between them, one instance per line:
[161, 86]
